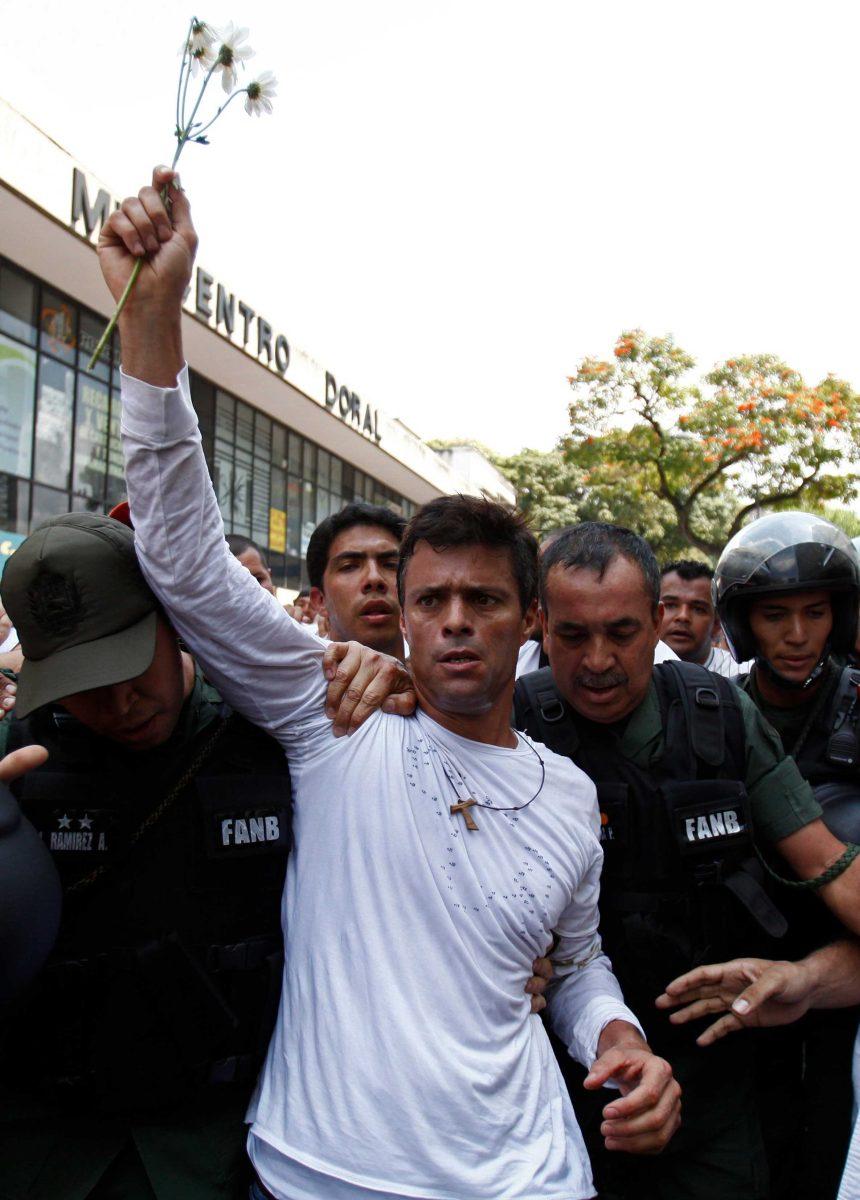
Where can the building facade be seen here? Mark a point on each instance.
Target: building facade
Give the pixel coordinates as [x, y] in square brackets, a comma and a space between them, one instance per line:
[287, 443]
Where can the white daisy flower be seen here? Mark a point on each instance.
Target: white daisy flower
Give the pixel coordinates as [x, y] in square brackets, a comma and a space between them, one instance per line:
[232, 54]
[200, 46]
[260, 93]
[203, 36]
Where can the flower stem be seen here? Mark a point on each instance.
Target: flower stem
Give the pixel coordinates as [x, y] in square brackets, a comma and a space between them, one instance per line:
[111, 325]
[181, 140]
[180, 90]
[210, 123]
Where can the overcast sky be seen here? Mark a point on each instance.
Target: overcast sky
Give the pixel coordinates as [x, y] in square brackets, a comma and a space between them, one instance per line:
[455, 202]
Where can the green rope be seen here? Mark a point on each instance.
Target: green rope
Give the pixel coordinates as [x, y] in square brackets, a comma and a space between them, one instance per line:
[819, 881]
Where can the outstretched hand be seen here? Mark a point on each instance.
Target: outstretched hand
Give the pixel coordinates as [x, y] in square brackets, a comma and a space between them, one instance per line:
[751, 992]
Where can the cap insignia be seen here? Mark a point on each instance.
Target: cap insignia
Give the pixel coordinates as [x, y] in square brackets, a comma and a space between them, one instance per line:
[55, 603]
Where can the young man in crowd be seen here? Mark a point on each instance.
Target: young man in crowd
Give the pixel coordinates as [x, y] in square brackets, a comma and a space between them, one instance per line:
[686, 768]
[352, 565]
[304, 611]
[444, 839]
[251, 556]
[689, 616]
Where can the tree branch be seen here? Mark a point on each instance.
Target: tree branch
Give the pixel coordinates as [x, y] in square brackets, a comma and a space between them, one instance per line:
[773, 498]
[707, 480]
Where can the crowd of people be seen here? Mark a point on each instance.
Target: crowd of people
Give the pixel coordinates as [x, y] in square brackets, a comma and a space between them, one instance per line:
[489, 871]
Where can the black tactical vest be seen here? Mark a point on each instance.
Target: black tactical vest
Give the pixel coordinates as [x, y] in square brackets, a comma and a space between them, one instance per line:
[166, 974]
[680, 883]
[830, 752]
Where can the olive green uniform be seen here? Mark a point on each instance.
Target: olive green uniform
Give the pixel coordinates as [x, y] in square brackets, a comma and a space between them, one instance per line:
[804, 1071]
[718, 1152]
[131, 1135]
[781, 800]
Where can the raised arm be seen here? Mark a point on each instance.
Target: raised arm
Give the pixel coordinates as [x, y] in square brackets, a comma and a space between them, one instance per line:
[264, 664]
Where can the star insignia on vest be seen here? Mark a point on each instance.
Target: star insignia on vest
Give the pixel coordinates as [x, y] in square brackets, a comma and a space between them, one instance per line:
[55, 603]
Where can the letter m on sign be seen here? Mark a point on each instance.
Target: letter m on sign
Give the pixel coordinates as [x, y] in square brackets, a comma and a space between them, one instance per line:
[94, 215]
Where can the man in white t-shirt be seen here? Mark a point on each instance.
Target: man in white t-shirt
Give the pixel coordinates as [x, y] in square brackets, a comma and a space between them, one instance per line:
[444, 844]
[689, 616]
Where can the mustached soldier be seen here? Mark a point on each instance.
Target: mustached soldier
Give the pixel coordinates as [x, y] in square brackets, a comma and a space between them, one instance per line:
[787, 589]
[126, 1068]
[686, 770]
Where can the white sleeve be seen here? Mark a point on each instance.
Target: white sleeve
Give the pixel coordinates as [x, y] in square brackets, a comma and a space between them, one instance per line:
[584, 995]
[262, 662]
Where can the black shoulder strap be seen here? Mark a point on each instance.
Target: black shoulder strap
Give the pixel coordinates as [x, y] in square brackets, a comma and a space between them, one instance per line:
[540, 711]
[712, 726]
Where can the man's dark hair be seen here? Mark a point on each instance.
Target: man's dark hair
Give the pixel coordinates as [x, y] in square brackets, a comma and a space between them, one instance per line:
[239, 545]
[304, 594]
[689, 569]
[358, 513]
[451, 521]
[595, 545]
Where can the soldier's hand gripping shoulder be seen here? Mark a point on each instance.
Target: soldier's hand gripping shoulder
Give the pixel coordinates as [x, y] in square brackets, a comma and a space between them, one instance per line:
[362, 680]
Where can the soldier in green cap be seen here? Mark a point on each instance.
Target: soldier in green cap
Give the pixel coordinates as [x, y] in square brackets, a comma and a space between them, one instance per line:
[126, 1068]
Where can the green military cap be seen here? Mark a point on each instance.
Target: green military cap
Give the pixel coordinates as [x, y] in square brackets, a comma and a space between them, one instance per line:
[84, 613]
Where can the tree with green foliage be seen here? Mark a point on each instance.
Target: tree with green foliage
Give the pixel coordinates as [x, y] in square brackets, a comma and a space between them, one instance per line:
[548, 488]
[691, 463]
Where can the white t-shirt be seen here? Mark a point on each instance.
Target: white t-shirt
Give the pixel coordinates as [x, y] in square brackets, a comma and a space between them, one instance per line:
[721, 663]
[528, 658]
[10, 641]
[405, 1058]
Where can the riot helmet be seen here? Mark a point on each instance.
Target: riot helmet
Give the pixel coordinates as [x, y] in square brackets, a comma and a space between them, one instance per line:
[787, 552]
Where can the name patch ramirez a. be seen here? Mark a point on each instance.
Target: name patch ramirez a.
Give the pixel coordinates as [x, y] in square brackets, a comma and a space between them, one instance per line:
[68, 830]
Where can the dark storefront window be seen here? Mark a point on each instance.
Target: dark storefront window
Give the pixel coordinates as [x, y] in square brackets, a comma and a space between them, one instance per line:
[60, 447]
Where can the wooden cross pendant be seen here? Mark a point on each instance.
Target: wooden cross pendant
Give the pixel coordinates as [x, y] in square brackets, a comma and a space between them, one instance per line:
[463, 807]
